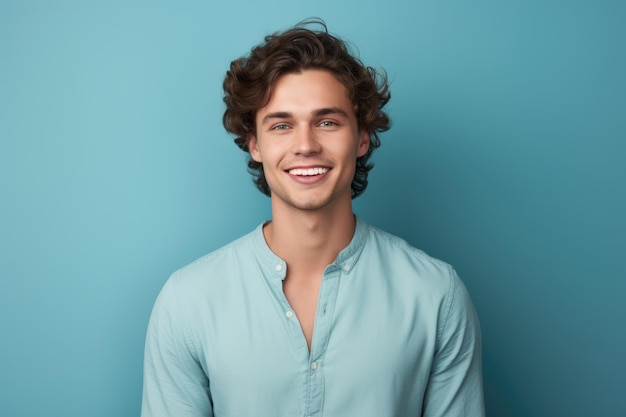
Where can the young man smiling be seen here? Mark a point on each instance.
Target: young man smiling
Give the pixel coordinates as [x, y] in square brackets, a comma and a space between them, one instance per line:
[315, 313]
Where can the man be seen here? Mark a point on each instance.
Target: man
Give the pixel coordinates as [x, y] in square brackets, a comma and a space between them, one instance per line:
[315, 313]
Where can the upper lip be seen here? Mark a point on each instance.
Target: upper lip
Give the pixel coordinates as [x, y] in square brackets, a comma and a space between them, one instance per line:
[307, 167]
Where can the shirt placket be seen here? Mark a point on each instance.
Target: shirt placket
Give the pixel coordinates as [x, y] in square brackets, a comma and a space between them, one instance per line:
[319, 343]
[314, 359]
[293, 325]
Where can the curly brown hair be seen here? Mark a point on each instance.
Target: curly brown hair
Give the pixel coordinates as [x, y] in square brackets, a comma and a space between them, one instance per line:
[249, 82]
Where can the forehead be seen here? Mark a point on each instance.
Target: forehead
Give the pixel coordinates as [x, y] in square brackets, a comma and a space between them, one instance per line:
[310, 90]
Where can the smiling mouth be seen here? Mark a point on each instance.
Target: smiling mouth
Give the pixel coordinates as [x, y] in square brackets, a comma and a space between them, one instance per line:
[308, 172]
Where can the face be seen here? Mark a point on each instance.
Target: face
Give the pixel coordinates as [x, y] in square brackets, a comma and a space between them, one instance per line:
[308, 140]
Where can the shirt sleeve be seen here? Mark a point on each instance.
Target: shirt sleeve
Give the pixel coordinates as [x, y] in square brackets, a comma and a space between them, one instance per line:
[175, 385]
[455, 386]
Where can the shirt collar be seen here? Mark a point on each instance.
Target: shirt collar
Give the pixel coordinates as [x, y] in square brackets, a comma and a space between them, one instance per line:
[346, 259]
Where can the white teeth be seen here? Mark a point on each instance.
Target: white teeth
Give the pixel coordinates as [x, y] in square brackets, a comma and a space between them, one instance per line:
[308, 171]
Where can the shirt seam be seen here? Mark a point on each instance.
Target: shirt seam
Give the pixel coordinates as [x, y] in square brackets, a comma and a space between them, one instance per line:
[179, 312]
[451, 294]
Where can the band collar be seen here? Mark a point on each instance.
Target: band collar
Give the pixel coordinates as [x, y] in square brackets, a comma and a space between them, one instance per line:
[277, 267]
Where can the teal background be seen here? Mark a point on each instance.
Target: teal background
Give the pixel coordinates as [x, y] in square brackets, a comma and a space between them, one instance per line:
[506, 159]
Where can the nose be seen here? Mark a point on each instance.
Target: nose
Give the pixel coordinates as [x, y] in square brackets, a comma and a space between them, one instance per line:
[305, 142]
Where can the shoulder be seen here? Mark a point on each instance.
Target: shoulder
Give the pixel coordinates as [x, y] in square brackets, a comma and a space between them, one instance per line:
[203, 286]
[236, 248]
[417, 278]
[425, 274]
[212, 269]
[398, 253]
[411, 271]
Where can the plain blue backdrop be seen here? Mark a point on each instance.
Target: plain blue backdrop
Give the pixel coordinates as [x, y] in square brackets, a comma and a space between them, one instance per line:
[506, 159]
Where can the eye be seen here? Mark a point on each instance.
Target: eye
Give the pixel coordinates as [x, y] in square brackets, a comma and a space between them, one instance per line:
[281, 126]
[328, 123]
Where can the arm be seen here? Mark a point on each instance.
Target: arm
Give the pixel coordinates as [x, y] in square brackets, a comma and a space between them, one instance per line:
[175, 385]
[455, 385]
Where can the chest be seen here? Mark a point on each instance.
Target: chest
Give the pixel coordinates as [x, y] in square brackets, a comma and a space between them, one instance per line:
[302, 294]
[363, 346]
[359, 332]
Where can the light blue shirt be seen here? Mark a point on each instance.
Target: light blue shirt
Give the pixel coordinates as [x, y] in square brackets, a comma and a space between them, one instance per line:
[395, 335]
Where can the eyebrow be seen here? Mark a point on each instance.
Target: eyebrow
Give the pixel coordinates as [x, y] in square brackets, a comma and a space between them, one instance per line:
[275, 115]
[320, 112]
[331, 110]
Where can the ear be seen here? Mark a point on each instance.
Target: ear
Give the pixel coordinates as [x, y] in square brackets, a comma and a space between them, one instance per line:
[364, 143]
[253, 146]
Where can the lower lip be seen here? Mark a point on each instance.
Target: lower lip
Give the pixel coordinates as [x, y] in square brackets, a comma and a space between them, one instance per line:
[308, 179]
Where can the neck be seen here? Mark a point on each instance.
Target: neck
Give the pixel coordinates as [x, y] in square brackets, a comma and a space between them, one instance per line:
[310, 240]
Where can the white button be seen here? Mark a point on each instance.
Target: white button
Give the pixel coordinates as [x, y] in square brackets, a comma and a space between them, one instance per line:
[279, 267]
[289, 314]
[346, 268]
[314, 365]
